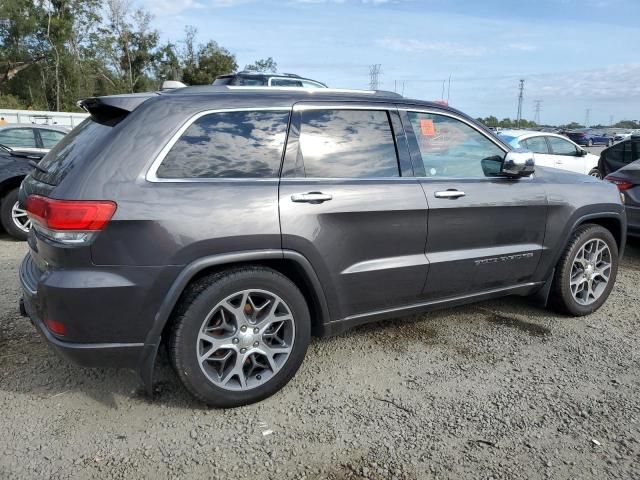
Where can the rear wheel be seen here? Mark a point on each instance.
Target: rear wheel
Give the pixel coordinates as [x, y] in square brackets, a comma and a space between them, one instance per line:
[586, 271]
[239, 336]
[590, 143]
[595, 173]
[14, 218]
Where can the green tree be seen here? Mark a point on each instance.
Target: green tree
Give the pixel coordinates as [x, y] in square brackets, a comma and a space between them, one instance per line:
[211, 60]
[266, 65]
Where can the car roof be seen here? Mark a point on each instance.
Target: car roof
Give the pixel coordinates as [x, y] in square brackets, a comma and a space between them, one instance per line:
[528, 133]
[287, 96]
[59, 128]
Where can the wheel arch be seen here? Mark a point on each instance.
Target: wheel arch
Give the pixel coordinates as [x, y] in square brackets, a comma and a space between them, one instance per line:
[291, 264]
[9, 184]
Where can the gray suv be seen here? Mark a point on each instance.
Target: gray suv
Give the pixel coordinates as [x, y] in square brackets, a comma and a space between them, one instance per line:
[231, 224]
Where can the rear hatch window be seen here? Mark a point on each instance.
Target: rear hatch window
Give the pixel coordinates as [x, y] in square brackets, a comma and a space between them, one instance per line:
[71, 151]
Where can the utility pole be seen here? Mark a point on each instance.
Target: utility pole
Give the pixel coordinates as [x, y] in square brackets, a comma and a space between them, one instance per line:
[520, 97]
[586, 117]
[538, 104]
[374, 73]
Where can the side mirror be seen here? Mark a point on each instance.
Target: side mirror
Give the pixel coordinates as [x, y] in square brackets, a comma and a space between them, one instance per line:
[582, 152]
[518, 163]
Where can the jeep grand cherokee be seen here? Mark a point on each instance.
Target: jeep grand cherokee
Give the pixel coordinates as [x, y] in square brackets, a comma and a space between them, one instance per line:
[231, 224]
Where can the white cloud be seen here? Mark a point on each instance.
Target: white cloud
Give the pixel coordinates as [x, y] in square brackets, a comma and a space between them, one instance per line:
[522, 47]
[443, 48]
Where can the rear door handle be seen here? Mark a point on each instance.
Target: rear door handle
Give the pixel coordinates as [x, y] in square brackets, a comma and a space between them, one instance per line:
[311, 197]
[450, 194]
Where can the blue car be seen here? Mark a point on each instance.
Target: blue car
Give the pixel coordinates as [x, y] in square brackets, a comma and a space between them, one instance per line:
[588, 138]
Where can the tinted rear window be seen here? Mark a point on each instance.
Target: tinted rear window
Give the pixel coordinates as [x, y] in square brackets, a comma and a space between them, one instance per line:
[75, 148]
[347, 144]
[229, 145]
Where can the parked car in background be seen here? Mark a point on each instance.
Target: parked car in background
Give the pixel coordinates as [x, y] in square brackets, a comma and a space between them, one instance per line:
[628, 181]
[588, 139]
[619, 155]
[14, 166]
[243, 220]
[553, 150]
[31, 137]
[253, 79]
[618, 137]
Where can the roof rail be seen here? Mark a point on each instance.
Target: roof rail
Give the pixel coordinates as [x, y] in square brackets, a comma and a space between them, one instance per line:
[322, 90]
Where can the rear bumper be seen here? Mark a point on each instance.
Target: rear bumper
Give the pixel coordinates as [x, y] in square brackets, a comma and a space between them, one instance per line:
[40, 298]
[633, 221]
[125, 355]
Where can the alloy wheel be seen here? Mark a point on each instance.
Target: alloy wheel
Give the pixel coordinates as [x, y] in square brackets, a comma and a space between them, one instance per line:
[20, 218]
[590, 271]
[245, 339]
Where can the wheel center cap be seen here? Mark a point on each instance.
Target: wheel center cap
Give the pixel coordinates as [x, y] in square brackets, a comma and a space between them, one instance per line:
[589, 271]
[246, 339]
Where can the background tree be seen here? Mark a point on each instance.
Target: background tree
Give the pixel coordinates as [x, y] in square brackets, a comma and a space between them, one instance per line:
[266, 65]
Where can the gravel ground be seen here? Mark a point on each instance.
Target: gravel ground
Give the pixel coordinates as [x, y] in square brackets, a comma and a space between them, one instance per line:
[499, 389]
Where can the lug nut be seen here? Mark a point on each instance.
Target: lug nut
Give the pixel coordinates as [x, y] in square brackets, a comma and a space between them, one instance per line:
[235, 340]
[255, 330]
[243, 328]
[242, 350]
[255, 344]
[258, 377]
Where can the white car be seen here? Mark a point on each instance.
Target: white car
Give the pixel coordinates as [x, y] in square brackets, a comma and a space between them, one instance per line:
[553, 150]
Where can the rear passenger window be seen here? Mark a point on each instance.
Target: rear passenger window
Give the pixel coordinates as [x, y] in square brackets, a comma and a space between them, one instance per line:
[229, 145]
[536, 145]
[347, 144]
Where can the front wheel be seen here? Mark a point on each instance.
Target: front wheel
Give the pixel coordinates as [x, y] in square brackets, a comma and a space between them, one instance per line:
[586, 272]
[239, 336]
[14, 218]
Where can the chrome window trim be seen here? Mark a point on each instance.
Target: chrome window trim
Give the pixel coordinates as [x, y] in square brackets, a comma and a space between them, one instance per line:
[151, 175]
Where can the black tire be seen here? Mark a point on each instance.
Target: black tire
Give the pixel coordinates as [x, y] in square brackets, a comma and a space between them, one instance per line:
[9, 225]
[595, 173]
[560, 297]
[196, 304]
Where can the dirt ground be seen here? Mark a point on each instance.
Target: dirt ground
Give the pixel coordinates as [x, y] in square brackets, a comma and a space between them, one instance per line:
[500, 389]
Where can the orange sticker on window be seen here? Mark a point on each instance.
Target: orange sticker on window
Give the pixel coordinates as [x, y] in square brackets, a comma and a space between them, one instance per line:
[427, 128]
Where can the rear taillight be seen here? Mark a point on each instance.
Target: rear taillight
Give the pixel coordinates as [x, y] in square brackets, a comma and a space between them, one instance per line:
[69, 221]
[620, 183]
[55, 327]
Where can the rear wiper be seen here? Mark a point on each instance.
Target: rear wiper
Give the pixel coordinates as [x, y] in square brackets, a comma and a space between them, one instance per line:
[37, 166]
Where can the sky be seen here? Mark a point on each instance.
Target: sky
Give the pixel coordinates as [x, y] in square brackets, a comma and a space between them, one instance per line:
[574, 55]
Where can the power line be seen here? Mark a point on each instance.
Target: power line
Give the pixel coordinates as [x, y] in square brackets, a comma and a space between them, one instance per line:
[538, 104]
[520, 97]
[374, 73]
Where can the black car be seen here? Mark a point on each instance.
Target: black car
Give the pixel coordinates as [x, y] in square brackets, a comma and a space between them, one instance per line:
[253, 79]
[15, 165]
[231, 224]
[621, 165]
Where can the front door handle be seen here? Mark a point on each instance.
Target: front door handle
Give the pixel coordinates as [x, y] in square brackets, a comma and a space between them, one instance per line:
[450, 194]
[311, 197]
